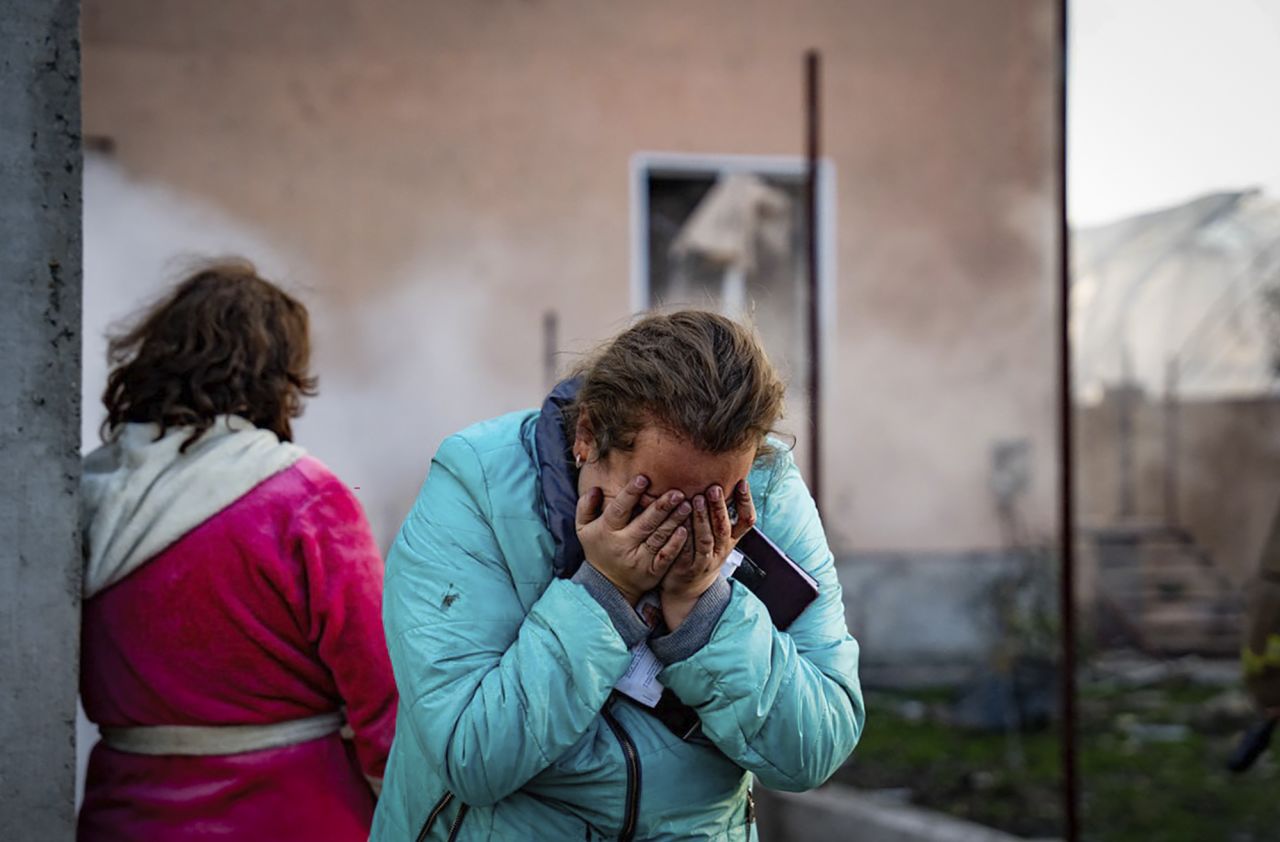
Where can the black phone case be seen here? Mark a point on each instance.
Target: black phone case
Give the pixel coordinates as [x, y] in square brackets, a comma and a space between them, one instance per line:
[782, 585]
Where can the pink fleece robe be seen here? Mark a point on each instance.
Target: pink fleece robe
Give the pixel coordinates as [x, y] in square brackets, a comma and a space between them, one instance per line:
[268, 611]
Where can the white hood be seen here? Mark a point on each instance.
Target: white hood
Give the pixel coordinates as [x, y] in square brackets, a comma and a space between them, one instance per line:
[139, 494]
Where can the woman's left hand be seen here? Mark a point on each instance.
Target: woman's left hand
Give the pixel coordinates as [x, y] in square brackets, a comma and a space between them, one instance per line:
[714, 537]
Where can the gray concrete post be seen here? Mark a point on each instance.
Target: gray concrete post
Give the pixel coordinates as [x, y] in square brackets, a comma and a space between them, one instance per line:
[40, 267]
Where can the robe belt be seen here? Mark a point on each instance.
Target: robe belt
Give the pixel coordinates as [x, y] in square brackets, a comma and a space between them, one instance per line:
[199, 740]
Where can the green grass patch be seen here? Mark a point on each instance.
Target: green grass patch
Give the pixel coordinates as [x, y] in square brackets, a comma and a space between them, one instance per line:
[1151, 768]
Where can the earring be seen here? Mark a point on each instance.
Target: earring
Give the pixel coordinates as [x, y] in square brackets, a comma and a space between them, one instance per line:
[577, 461]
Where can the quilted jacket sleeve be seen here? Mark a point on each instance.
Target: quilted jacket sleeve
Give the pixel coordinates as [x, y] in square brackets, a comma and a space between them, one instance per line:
[492, 695]
[786, 706]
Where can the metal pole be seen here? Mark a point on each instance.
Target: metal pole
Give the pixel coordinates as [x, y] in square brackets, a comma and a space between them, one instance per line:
[550, 344]
[812, 80]
[1066, 472]
[1126, 406]
[1171, 442]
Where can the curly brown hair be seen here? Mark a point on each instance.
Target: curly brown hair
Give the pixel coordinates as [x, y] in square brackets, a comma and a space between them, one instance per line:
[696, 373]
[224, 342]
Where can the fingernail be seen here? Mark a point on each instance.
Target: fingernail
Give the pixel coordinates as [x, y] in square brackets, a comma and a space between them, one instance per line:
[675, 497]
[683, 510]
[714, 493]
[700, 503]
[640, 482]
[743, 488]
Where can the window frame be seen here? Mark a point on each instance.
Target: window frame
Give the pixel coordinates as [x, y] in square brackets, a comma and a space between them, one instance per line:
[645, 165]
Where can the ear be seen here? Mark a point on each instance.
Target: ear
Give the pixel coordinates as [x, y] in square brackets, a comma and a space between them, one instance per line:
[584, 439]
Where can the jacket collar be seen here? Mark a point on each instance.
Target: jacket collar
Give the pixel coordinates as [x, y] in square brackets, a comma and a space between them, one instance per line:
[558, 478]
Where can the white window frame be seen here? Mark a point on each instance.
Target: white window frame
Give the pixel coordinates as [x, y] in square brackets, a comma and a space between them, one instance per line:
[646, 164]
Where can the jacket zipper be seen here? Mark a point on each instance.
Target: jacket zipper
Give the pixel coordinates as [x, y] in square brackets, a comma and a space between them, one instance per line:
[751, 809]
[633, 777]
[457, 822]
[435, 814]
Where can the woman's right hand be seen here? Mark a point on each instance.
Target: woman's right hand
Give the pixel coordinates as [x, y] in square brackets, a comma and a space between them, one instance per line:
[632, 553]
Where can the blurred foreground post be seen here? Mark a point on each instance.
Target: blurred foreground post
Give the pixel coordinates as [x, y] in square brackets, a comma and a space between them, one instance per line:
[813, 128]
[40, 167]
[1066, 470]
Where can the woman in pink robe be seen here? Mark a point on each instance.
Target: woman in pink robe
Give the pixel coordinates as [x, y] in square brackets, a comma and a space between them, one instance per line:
[232, 619]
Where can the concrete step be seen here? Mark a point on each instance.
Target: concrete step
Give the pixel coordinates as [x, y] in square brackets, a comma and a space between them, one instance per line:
[1190, 614]
[1189, 641]
[1164, 589]
[1160, 556]
[1192, 583]
[1188, 627]
[1174, 590]
[1182, 591]
[840, 812]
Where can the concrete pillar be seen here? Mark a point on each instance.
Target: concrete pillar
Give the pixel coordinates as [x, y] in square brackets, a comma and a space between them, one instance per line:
[40, 562]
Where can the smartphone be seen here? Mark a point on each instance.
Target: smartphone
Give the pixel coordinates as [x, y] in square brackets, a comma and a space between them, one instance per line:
[784, 587]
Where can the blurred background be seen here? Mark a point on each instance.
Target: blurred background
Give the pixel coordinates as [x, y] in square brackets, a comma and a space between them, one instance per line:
[468, 196]
[1173, 186]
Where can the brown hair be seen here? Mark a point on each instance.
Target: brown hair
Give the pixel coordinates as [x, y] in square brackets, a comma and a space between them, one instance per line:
[225, 341]
[698, 374]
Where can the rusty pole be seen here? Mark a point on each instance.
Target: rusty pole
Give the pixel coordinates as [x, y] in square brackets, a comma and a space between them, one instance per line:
[1066, 513]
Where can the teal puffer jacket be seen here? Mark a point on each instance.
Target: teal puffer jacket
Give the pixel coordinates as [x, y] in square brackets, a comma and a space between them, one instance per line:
[507, 728]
